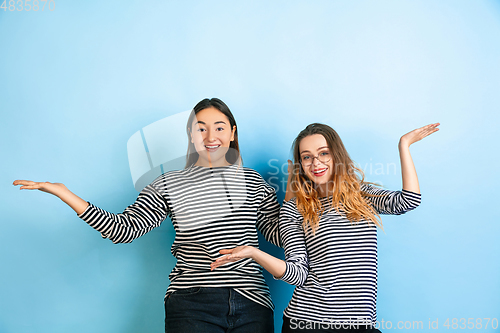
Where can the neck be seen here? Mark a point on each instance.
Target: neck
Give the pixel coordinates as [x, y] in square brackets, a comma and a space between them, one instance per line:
[324, 190]
[212, 164]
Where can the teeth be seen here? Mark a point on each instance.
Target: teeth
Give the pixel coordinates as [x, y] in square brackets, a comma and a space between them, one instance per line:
[210, 147]
[319, 171]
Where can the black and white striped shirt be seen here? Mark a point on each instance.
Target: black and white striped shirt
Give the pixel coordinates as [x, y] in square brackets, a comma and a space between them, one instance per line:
[211, 209]
[335, 270]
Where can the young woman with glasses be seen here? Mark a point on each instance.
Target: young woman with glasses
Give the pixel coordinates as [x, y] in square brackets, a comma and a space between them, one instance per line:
[329, 233]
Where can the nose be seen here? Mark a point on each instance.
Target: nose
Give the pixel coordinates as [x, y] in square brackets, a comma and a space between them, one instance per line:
[210, 135]
[315, 161]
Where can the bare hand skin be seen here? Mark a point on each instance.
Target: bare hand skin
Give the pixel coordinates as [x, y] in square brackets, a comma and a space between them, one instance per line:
[273, 265]
[233, 255]
[408, 172]
[51, 188]
[418, 134]
[59, 190]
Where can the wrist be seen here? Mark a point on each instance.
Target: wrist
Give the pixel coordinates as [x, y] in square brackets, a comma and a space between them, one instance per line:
[58, 190]
[254, 253]
[403, 144]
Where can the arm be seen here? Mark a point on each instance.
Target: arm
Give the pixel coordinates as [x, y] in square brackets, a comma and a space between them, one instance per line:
[59, 190]
[271, 264]
[268, 217]
[391, 202]
[296, 267]
[148, 211]
[408, 172]
[400, 202]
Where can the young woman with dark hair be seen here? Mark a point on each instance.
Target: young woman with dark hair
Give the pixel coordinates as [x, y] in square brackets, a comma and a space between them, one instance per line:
[214, 203]
[329, 233]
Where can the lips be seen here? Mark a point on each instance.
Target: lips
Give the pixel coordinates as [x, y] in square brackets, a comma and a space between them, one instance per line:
[319, 172]
[212, 148]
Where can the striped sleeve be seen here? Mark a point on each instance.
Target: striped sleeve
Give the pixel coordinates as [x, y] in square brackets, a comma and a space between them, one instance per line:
[391, 202]
[292, 234]
[268, 217]
[145, 214]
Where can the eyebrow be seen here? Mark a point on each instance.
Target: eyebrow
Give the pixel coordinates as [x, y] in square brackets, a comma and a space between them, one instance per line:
[217, 122]
[307, 151]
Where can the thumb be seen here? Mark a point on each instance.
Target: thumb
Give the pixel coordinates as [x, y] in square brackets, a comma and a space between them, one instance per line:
[226, 251]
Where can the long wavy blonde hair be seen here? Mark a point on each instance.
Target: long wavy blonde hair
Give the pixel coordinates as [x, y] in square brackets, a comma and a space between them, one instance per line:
[346, 194]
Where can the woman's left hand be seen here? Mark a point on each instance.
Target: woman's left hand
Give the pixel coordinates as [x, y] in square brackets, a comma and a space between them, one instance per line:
[418, 134]
[233, 255]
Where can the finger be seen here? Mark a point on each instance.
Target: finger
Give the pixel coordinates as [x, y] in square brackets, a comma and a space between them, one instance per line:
[427, 128]
[429, 131]
[215, 265]
[22, 182]
[218, 263]
[223, 258]
[30, 187]
[226, 251]
[431, 128]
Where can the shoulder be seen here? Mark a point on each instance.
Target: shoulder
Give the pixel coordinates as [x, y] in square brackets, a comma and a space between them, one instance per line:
[370, 188]
[289, 208]
[169, 178]
[251, 173]
[254, 177]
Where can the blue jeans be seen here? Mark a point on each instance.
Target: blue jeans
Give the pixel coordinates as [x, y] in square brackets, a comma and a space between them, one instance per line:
[215, 310]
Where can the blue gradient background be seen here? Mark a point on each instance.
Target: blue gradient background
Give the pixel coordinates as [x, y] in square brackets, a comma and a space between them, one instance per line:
[77, 82]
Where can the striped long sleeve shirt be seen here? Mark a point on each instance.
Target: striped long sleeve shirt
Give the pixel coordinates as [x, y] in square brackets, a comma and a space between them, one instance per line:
[335, 269]
[211, 209]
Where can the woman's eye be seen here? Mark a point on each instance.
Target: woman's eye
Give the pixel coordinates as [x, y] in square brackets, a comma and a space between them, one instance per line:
[325, 153]
[305, 158]
[220, 129]
[201, 130]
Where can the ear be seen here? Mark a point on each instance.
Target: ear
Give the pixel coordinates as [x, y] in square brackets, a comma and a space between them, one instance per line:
[232, 133]
[191, 136]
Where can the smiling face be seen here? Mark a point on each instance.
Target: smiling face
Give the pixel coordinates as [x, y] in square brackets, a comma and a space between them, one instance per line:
[211, 134]
[317, 163]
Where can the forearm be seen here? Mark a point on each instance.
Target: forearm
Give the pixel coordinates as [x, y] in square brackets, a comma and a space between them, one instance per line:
[408, 172]
[75, 202]
[271, 264]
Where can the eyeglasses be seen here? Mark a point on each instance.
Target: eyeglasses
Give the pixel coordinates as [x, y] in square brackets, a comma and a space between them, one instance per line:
[323, 157]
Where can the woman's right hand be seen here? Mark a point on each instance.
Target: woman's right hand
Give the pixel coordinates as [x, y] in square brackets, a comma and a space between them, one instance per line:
[52, 188]
[59, 190]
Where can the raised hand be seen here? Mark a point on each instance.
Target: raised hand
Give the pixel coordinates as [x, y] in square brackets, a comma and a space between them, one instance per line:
[418, 134]
[408, 172]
